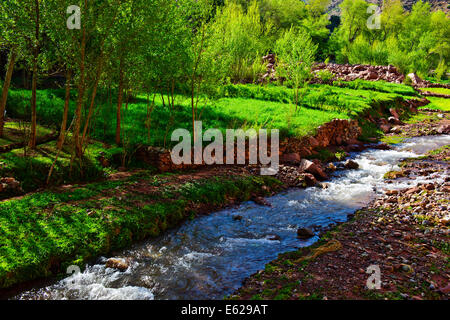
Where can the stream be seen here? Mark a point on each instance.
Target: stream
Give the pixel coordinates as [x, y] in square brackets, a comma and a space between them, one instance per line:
[210, 256]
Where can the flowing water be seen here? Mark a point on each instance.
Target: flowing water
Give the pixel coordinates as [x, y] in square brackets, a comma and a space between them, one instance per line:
[209, 257]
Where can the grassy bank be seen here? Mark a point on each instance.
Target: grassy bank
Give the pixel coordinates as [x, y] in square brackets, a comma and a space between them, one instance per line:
[43, 233]
[227, 107]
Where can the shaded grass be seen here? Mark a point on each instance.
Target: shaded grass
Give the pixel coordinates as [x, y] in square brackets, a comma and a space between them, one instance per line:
[14, 132]
[31, 168]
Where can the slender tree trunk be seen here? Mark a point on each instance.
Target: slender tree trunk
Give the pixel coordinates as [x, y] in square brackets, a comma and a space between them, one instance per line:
[62, 134]
[193, 106]
[194, 76]
[81, 89]
[9, 72]
[32, 143]
[91, 106]
[119, 102]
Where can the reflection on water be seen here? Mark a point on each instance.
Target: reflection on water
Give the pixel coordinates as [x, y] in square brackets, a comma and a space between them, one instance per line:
[208, 258]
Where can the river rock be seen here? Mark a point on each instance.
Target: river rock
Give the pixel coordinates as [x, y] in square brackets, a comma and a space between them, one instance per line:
[444, 129]
[311, 167]
[350, 164]
[414, 78]
[396, 130]
[10, 183]
[273, 237]
[385, 128]
[394, 120]
[305, 233]
[261, 201]
[308, 179]
[394, 113]
[290, 158]
[116, 263]
[237, 217]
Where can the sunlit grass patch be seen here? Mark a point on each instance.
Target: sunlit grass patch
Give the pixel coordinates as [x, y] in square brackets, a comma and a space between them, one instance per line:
[438, 104]
[437, 90]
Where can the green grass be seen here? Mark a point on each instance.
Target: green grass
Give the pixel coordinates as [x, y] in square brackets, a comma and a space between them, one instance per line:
[234, 106]
[437, 90]
[392, 139]
[380, 86]
[438, 104]
[43, 233]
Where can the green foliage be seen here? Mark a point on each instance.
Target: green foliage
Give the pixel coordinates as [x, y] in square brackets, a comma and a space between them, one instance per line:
[324, 76]
[295, 53]
[234, 106]
[441, 70]
[237, 42]
[414, 42]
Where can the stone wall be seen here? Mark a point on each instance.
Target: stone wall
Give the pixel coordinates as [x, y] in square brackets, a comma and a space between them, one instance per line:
[334, 133]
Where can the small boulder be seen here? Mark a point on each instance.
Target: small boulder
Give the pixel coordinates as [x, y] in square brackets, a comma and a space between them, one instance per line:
[237, 217]
[394, 113]
[394, 120]
[305, 233]
[445, 220]
[414, 78]
[261, 201]
[308, 179]
[444, 129]
[412, 190]
[290, 158]
[273, 237]
[385, 128]
[396, 130]
[119, 264]
[311, 167]
[323, 185]
[372, 76]
[350, 164]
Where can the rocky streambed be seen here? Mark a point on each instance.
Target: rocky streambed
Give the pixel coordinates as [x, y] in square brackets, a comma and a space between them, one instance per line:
[404, 232]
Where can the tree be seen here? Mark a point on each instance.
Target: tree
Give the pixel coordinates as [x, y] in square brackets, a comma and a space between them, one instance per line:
[353, 23]
[295, 52]
[392, 18]
[197, 13]
[237, 40]
[283, 14]
[10, 39]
